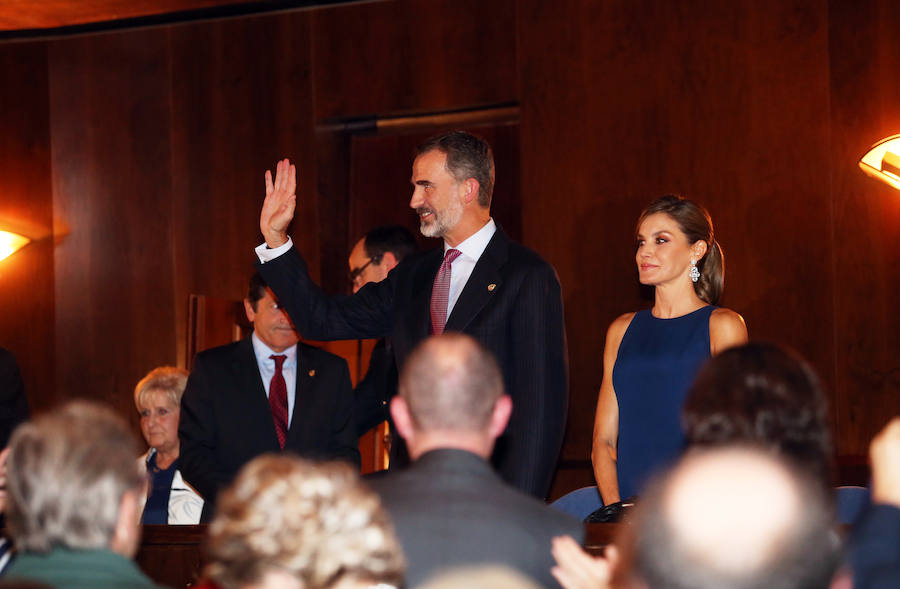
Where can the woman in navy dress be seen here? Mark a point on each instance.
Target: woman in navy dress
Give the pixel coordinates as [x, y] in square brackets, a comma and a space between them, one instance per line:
[651, 356]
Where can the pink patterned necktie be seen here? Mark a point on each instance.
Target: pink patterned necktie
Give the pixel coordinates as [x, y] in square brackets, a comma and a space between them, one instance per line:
[278, 400]
[440, 293]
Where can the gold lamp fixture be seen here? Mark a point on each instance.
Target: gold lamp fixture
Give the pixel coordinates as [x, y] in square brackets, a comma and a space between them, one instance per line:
[10, 243]
[882, 161]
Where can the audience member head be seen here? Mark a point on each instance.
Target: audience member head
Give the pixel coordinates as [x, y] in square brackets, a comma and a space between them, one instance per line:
[696, 224]
[480, 577]
[450, 395]
[271, 323]
[468, 156]
[286, 522]
[764, 394]
[377, 253]
[158, 400]
[732, 518]
[73, 482]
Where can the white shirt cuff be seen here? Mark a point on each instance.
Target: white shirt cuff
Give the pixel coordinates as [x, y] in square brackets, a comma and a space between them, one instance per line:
[267, 255]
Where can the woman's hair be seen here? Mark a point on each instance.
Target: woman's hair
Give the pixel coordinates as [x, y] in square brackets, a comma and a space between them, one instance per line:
[764, 394]
[695, 222]
[317, 522]
[167, 380]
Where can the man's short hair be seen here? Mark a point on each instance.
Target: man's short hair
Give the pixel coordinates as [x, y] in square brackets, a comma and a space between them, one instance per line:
[468, 156]
[391, 238]
[316, 522]
[256, 289]
[67, 472]
[706, 548]
[451, 382]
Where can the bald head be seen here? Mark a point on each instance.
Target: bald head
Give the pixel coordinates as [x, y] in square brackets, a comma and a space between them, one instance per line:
[451, 382]
[735, 518]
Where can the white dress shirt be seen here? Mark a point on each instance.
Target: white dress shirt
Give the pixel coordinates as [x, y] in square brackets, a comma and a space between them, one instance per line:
[267, 370]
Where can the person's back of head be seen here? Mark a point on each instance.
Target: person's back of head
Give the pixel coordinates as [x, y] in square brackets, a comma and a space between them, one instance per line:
[733, 518]
[302, 524]
[451, 395]
[763, 394]
[73, 481]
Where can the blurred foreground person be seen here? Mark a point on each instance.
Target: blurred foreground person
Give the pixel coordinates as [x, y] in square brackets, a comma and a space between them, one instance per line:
[450, 507]
[725, 518]
[158, 400]
[286, 523]
[875, 547]
[75, 498]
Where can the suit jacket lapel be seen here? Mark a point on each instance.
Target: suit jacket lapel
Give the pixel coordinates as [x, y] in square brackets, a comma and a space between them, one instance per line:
[484, 283]
[303, 394]
[258, 411]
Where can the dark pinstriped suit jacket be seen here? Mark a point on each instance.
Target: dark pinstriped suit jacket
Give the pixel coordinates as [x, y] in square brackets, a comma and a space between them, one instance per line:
[511, 304]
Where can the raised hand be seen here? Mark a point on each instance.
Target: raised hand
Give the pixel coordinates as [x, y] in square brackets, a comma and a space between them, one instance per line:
[576, 569]
[884, 454]
[278, 208]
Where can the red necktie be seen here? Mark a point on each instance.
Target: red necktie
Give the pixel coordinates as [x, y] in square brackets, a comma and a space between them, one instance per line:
[440, 293]
[278, 400]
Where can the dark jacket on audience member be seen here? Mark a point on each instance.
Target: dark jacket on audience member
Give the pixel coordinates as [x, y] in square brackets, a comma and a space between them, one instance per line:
[451, 509]
[64, 568]
[875, 549]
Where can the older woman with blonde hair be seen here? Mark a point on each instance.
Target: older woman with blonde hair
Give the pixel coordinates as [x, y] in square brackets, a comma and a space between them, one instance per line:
[294, 524]
[158, 400]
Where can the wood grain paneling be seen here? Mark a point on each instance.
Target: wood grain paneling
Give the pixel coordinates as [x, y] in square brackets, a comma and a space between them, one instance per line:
[413, 56]
[26, 205]
[109, 113]
[865, 107]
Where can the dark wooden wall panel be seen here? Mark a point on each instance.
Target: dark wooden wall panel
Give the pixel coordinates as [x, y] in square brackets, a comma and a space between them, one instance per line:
[241, 100]
[865, 107]
[26, 205]
[413, 55]
[109, 113]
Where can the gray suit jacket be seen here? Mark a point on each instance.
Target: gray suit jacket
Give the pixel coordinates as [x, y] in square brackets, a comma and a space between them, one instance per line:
[451, 509]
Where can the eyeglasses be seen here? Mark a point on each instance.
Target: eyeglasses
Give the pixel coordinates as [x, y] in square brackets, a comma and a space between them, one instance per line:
[356, 273]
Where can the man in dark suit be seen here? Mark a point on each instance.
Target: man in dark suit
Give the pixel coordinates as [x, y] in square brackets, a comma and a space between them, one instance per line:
[450, 508]
[266, 393]
[13, 403]
[479, 283]
[372, 258]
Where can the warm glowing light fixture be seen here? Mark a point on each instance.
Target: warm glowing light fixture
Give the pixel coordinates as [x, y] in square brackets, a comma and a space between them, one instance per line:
[882, 161]
[10, 243]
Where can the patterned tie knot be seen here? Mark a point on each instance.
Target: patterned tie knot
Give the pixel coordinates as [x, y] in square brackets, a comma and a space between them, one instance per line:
[279, 361]
[450, 255]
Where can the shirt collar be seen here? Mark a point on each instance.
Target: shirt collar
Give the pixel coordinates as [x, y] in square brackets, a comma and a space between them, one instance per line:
[263, 351]
[474, 245]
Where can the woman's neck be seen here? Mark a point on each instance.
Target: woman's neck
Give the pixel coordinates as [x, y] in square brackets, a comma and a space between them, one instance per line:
[675, 301]
[165, 458]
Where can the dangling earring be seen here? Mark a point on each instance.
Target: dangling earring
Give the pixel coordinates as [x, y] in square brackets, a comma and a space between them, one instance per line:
[694, 273]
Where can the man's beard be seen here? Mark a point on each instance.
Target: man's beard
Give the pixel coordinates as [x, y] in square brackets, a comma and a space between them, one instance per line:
[441, 221]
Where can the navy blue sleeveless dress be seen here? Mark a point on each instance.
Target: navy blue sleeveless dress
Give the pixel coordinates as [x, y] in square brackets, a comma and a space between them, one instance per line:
[655, 366]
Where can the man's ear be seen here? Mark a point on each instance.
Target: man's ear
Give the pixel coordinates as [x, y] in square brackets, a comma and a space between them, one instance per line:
[388, 260]
[469, 189]
[500, 415]
[248, 309]
[402, 419]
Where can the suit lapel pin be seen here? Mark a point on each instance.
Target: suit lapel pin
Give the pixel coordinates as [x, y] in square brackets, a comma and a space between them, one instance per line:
[312, 372]
[491, 287]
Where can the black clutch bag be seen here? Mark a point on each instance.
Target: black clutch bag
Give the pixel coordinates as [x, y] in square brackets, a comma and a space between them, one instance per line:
[612, 513]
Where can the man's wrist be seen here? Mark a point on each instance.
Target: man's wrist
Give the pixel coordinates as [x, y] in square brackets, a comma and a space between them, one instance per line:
[275, 240]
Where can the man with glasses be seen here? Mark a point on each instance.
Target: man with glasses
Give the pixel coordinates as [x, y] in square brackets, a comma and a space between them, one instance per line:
[373, 256]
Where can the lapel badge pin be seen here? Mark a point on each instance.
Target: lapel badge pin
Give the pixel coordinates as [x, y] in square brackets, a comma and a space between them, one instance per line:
[312, 372]
[491, 287]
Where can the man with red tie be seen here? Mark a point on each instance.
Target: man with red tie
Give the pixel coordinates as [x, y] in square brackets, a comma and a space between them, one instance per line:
[480, 283]
[266, 393]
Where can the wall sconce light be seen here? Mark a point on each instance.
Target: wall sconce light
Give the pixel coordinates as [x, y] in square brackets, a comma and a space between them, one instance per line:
[10, 243]
[882, 161]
